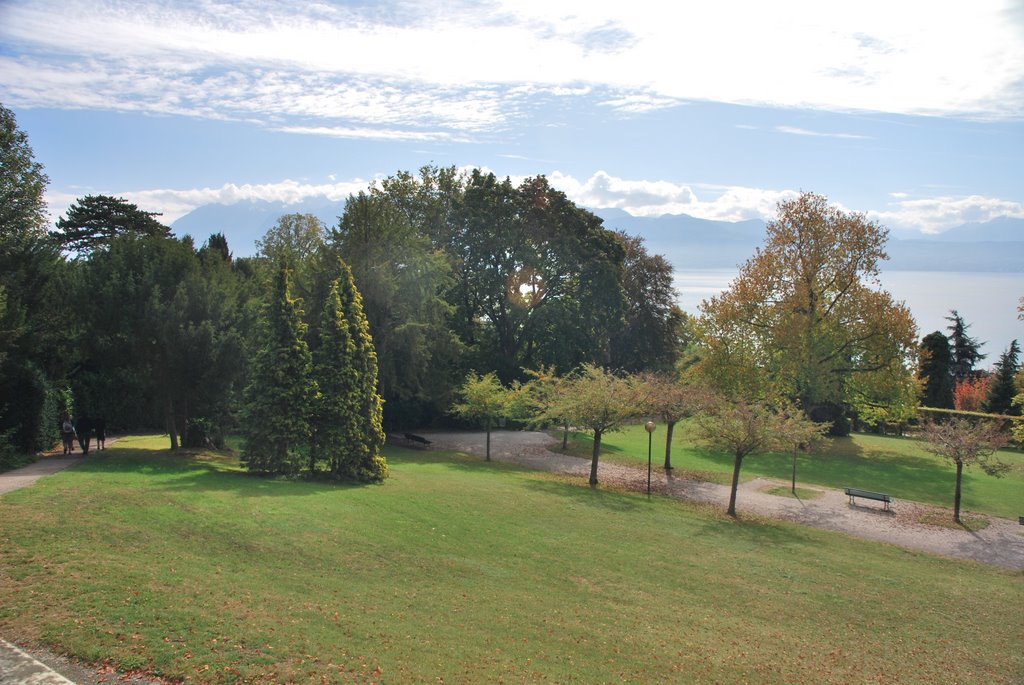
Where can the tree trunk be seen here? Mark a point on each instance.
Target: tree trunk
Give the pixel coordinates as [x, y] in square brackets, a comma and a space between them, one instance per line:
[956, 497]
[731, 511]
[593, 461]
[172, 429]
[793, 487]
[488, 438]
[668, 445]
[565, 436]
[183, 423]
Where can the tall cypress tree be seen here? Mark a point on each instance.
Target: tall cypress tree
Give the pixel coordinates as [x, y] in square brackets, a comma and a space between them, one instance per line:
[1004, 387]
[278, 400]
[935, 371]
[336, 427]
[364, 461]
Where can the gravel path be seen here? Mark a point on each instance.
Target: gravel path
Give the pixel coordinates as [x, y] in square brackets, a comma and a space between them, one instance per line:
[999, 544]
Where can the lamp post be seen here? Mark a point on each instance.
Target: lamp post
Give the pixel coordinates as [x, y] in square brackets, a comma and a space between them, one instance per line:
[649, 427]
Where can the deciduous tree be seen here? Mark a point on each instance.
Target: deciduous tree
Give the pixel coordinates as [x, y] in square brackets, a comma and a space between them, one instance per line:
[805, 318]
[672, 400]
[403, 280]
[599, 401]
[650, 340]
[483, 399]
[965, 443]
[744, 428]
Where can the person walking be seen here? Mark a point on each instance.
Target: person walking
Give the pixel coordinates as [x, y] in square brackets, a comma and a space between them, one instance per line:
[67, 434]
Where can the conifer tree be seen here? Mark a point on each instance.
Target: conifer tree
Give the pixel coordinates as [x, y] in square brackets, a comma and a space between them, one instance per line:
[935, 371]
[363, 460]
[1004, 386]
[336, 427]
[278, 400]
[965, 349]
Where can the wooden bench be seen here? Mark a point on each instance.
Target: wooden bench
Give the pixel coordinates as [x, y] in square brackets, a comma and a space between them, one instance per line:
[416, 438]
[867, 494]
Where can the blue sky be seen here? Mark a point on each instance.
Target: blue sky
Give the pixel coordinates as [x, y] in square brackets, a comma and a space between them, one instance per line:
[912, 112]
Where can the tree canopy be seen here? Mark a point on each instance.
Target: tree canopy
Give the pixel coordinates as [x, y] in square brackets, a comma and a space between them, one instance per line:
[805, 319]
[93, 221]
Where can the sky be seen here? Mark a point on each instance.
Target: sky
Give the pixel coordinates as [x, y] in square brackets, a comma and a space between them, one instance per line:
[910, 111]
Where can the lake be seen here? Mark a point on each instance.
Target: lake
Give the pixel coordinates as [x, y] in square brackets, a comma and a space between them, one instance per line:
[986, 301]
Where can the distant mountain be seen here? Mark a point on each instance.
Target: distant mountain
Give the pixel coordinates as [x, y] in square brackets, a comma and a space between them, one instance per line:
[688, 242]
[685, 241]
[243, 223]
[1003, 229]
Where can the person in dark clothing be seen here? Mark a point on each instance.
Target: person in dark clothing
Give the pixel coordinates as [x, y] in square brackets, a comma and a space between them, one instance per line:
[84, 430]
[67, 434]
[100, 427]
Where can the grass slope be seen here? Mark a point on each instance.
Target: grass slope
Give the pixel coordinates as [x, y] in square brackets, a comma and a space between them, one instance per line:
[458, 571]
[898, 466]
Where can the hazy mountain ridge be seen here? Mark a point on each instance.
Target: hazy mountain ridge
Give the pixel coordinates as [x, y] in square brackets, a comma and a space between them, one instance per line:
[686, 241]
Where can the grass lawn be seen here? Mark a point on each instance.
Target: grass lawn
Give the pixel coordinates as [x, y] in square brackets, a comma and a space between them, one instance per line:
[898, 466]
[460, 571]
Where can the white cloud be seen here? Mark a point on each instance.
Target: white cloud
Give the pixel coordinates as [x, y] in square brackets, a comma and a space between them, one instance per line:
[460, 64]
[173, 204]
[601, 190]
[796, 131]
[655, 198]
[936, 214]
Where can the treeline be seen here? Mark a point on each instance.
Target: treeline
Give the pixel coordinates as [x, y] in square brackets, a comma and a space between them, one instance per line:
[108, 314]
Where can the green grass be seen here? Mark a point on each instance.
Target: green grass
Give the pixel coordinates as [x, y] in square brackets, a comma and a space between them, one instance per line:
[462, 571]
[801, 493]
[900, 467]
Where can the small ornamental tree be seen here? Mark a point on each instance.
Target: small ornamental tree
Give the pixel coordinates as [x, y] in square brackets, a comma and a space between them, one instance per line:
[742, 428]
[672, 400]
[364, 461]
[335, 418]
[534, 400]
[279, 398]
[966, 443]
[484, 399]
[598, 400]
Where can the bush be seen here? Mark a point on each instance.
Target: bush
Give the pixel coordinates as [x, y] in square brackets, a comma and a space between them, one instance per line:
[203, 432]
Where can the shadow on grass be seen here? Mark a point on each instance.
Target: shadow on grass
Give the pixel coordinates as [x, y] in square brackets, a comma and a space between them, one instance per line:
[199, 471]
[581, 493]
[205, 471]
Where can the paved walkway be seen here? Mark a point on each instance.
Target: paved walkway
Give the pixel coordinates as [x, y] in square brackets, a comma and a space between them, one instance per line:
[21, 668]
[1000, 544]
[27, 475]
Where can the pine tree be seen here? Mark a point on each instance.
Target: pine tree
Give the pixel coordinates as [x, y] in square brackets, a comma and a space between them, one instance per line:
[966, 350]
[935, 371]
[336, 427]
[363, 460]
[278, 400]
[1004, 386]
